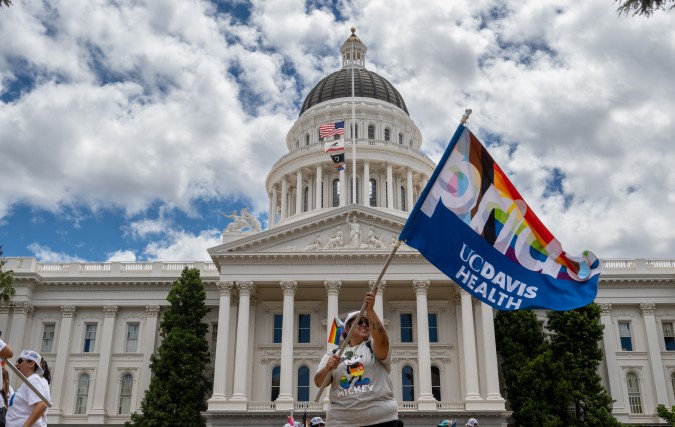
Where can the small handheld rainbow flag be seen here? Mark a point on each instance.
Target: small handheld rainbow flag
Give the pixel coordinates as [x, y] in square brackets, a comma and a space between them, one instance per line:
[335, 331]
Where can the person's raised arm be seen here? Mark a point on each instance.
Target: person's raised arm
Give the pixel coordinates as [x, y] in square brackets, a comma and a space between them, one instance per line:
[377, 331]
[5, 350]
[324, 370]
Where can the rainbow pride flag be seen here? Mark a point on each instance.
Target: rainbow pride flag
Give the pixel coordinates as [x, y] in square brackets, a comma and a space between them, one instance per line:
[335, 331]
[474, 226]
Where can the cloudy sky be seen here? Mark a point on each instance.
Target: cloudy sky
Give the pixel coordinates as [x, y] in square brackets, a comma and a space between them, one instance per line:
[127, 126]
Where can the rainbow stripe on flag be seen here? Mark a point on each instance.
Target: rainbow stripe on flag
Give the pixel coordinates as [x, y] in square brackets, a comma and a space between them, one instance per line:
[335, 331]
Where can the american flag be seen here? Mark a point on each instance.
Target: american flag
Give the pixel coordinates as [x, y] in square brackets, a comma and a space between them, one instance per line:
[330, 129]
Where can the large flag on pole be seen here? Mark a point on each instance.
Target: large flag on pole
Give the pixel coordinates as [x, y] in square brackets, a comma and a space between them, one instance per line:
[473, 225]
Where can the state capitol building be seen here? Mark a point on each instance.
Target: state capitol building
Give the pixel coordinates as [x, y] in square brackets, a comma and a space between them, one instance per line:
[273, 293]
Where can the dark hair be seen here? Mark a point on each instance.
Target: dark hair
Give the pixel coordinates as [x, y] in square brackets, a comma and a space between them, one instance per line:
[4, 391]
[47, 374]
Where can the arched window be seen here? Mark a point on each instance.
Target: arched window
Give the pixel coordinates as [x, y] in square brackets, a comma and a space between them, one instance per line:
[276, 381]
[436, 382]
[82, 394]
[336, 193]
[400, 138]
[387, 134]
[403, 200]
[126, 385]
[407, 384]
[372, 191]
[371, 132]
[307, 139]
[672, 380]
[634, 396]
[305, 199]
[356, 131]
[297, 143]
[303, 384]
[319, 203]
[358, 189]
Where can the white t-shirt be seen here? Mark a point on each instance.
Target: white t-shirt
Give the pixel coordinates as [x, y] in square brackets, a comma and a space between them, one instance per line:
[21, 403]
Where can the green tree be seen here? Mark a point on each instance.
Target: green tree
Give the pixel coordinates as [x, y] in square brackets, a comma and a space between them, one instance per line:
[178, 388]
[575, 343]
[642, 7]
[7, 290]
[668, 415]
[554, 382]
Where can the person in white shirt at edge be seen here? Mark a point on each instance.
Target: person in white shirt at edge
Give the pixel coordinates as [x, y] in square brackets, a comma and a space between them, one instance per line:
[26, 409]
[361, 393]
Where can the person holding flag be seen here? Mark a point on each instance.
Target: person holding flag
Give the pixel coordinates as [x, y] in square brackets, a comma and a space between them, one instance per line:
[361, 392]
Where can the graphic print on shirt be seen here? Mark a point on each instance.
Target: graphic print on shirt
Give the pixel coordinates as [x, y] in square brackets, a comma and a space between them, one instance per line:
[355, 372]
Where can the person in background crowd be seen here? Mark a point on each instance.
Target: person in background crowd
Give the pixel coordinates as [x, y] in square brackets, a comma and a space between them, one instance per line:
[25, 407]
[361, 393]
[7, 353]
[5, 389]
[472, 422]
[317, 422]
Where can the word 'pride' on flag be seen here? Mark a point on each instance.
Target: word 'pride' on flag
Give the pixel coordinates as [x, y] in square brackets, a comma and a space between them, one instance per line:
[474, 226]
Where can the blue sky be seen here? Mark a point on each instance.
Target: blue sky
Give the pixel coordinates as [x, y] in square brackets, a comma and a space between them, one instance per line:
[126, 127]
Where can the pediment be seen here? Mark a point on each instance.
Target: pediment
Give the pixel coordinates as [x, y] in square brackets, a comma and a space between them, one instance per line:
[350, 229]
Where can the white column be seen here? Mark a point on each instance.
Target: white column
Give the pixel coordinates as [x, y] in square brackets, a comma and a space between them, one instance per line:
[241, 350]
[55, 414]
[98, 412]
[273, 210]
[220, 368]
[310, 194]
[343, 188]
[285, 399]
[472, 391]
[298, 192]
[365, 186]
[148, 348]
[319, 184]
[284, 199]
[409, 191]
[379, 304]
[333, 291]
[613, 374]
[425, 400]
[490, 350]
[16, 336]
[654, 350]
[390, 187]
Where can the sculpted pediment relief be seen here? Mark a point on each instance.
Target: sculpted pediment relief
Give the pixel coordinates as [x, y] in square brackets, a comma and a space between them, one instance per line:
[358, 229]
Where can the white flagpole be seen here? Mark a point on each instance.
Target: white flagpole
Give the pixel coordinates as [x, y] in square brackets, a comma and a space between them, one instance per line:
[354, 190]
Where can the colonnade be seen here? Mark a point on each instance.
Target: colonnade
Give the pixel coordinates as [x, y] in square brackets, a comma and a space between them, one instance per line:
[291, 199]
[425, 399]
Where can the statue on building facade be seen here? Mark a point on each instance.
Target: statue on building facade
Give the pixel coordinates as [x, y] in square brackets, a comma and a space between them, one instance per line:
[354, 233]
[241, 222]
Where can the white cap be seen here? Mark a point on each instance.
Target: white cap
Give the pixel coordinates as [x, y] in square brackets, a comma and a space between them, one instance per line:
[351, 316]
[35, 357]
[472, 422]
[316, 421]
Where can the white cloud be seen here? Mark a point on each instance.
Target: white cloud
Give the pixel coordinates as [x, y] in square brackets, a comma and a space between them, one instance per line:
[180, 246]
[45, 254]
[123, 255]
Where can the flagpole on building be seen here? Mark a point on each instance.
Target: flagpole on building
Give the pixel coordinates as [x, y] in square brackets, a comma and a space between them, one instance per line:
[353, 125]
[344, 343]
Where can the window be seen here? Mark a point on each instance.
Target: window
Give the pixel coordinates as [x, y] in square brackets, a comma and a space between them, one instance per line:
[436, 382]
[214, 338]
[373, 192]
[303, 328]
[672, 381]
[403, 201]
[278, 326]
[624, 333]
[125, 394]
[336, 193]
[48, 338]
[634, 398]
[132, 337]
[358, 189]
[303, 384]
[387, 135]
[307, 139]
[371, 132]
[82, 394]
[276, 381]
[407, 384]
[305, 199]
[668, 336]
[433, 328]
[356, 131]
[89, 337]
[406, 327]
[400, 138]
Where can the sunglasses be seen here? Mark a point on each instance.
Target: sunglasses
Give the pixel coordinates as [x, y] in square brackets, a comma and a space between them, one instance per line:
[363, 322]
[19, 361]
